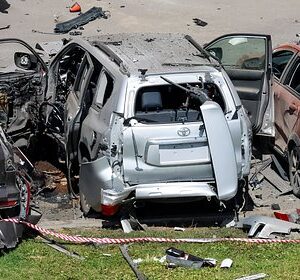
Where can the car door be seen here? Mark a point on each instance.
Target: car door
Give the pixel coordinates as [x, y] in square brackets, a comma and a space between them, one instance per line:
[247, 59]
[75, 105]
[23, 77]
[287, 105]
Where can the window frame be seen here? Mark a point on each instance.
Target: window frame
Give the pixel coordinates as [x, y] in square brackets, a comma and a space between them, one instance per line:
[99, 105]
[287, 64]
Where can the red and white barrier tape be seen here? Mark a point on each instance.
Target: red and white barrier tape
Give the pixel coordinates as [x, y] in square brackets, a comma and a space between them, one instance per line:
[97, 240]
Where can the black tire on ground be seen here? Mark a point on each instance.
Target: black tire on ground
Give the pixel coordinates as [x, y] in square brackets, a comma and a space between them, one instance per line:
[294, 169]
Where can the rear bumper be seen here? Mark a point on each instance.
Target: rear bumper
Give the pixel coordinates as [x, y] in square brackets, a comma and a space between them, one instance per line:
[174, 190]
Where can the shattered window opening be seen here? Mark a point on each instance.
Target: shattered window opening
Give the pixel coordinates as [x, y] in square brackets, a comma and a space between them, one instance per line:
[168, 104]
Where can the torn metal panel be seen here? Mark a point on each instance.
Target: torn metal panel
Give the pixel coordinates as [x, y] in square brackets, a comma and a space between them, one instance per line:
[10, 234]
[91, 14]
[266, 227]
[222, 156]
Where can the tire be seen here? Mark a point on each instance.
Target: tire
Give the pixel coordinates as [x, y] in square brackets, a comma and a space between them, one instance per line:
[294, 169]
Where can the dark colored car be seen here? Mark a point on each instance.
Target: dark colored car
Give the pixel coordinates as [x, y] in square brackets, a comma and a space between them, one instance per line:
[286, 68]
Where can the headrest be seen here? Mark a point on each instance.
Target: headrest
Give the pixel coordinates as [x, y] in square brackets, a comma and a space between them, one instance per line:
[151, 101]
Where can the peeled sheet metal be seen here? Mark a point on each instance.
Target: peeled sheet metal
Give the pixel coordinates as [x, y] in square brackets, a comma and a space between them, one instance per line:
[10, 234]
[264, 227]
[221, 150]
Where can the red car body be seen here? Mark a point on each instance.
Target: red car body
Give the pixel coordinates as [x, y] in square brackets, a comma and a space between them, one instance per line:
[286, 68]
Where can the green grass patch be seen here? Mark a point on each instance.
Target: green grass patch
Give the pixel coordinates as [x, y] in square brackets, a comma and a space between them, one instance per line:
[33, 259]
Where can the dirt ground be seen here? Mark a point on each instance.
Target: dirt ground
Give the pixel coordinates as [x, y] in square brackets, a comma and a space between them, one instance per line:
[274, 17]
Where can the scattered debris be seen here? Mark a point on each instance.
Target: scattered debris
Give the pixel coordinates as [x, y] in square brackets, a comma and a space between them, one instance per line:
[75, 8]
[42, 32]
[133, 266]
[199, 22]
[61, 248]
[75, 33]
[161, 260]
[226, 263]
[129, 223]
[293, 217]
[91, 14]
[179, 229]
[5, 27]
[177, 257]
[253, 277]
[264, 227]
[126, 226]
[122, 6]
[275, 206]
[106, 255]
[150, 40]
[137, 261]
[4, 5]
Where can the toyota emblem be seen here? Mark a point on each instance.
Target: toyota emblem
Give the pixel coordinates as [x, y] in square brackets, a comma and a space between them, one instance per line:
[184, 131]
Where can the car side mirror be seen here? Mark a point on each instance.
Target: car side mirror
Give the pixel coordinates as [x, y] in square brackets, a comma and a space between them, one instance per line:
[25, 61]
[217, 52]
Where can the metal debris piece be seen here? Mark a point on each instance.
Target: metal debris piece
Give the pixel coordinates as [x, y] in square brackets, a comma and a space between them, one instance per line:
[133, 266]
[5, 27]
[253, 277]
[10, 234]
[275, 206]
[226, 263]
[90, 15]
[179, 229]
[180, 258]
[75, 33]
[55, 245]
[125, 223]
[199, 22]
[265, 227]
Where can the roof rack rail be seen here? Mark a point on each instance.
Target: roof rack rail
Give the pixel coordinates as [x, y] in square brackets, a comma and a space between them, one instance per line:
[114, 57]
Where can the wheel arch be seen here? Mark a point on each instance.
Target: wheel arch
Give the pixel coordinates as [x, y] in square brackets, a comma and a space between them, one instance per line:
[294, 141]
[83, 152]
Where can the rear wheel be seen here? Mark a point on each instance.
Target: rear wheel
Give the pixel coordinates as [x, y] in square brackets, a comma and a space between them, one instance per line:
[294, 171]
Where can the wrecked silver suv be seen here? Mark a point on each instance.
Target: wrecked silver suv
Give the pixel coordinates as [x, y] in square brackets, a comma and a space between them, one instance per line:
[145, 116]
[154, 117]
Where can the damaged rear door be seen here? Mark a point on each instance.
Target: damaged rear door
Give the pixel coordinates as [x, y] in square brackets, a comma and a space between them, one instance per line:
[247, 59]
[74, 106]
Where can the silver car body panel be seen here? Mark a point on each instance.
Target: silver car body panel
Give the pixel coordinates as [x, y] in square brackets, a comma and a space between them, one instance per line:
[222, 155]
[174, 190]
[266, 227]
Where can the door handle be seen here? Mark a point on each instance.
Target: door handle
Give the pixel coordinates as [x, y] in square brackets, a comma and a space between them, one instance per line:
[292, 108]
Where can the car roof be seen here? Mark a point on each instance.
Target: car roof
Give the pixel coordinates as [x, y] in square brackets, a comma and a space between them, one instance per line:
[156, 52]
[294, 46]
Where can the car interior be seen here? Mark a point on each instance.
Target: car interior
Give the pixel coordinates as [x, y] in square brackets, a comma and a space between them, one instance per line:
[169, 104]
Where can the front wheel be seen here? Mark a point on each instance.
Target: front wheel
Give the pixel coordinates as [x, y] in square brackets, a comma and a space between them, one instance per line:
[294, 172]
